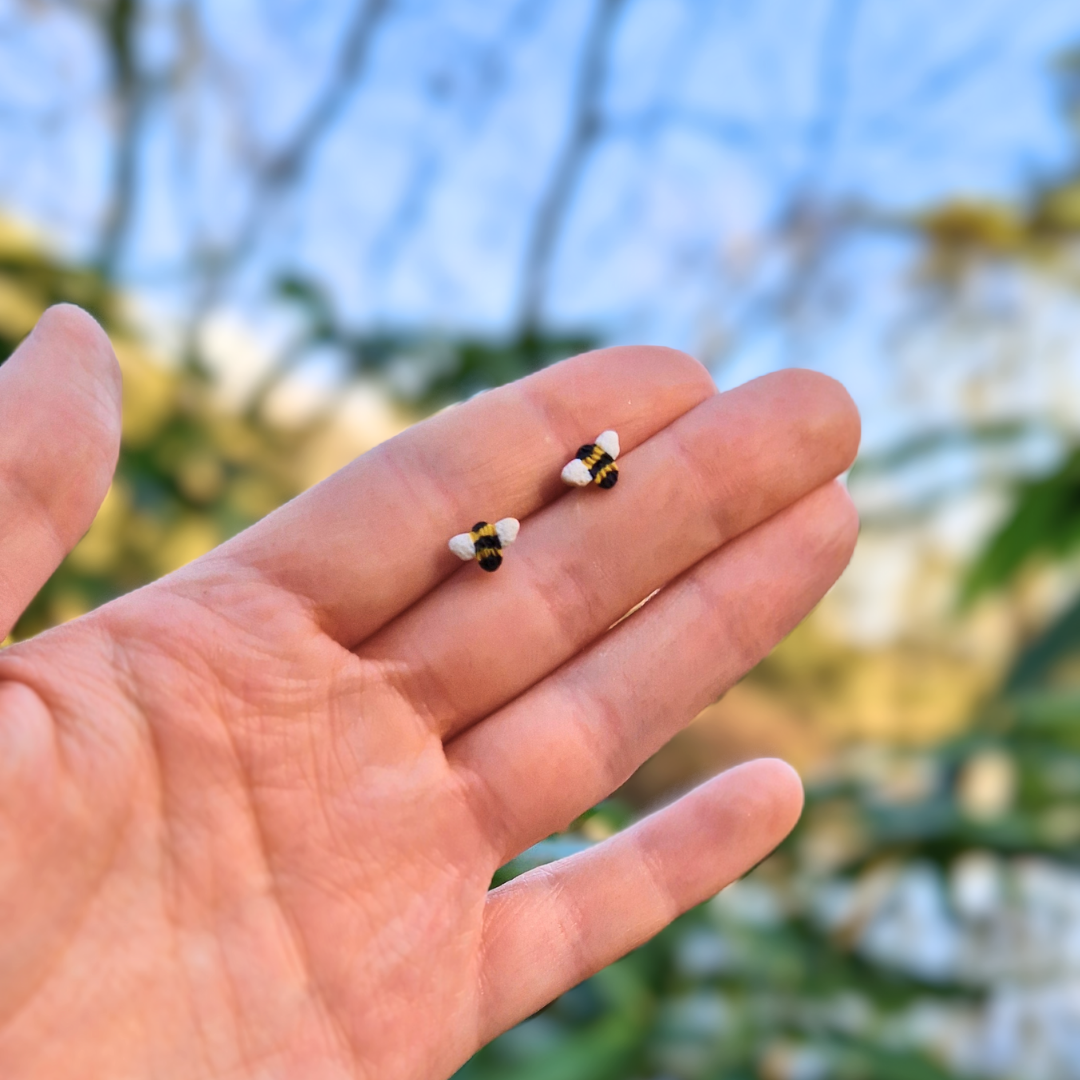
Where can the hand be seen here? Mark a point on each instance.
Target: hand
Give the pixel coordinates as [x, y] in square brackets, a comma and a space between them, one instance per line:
[249, 814]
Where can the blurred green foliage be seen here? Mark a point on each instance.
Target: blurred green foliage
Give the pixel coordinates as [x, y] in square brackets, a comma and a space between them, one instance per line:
[1038, 230]
[427, 372]
[1044, 524]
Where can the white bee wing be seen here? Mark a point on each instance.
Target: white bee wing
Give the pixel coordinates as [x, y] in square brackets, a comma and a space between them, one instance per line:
[507, 530]
[577, 474]
[463, 547]
[608, 441]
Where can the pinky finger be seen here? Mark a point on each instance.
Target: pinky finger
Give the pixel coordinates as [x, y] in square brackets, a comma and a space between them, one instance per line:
[551, 928]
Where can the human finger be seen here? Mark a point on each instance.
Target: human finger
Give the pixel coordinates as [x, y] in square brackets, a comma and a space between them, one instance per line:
[367, 543]
[549, 929]
[538, 763]
[60, 397]
[581, 563]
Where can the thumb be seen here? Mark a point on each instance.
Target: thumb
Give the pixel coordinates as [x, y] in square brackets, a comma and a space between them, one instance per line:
[60, 395]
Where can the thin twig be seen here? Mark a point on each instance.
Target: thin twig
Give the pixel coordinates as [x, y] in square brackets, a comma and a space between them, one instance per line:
[586, 125]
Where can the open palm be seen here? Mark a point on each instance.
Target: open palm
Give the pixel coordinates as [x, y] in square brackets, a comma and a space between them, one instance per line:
[249, 814]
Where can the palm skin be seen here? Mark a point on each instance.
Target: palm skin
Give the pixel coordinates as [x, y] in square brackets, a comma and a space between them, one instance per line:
[249, 815]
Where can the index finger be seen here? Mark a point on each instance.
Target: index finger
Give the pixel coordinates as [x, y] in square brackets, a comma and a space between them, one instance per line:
[365, 544]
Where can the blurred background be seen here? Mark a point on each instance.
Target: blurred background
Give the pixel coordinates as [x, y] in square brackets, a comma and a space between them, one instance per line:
[308, 225]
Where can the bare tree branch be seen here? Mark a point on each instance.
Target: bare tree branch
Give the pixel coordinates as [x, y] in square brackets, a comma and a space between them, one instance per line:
[134, 92]
[489, 64]
[119, 21]
[281, 169]
[833, 70]
[807, 227]
[586, 126]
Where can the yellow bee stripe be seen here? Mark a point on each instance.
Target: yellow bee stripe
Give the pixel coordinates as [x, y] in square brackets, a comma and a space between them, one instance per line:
[610, 467]
[487, 530]
[594, 457]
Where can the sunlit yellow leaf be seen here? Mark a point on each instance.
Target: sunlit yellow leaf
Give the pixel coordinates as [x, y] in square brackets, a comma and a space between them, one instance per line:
[185, 542]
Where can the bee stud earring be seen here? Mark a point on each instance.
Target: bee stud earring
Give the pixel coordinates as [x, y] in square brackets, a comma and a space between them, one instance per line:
[595, 463]
[485, 543]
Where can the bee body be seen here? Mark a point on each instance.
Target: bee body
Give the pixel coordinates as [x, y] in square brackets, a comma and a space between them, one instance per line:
[488, 546]
[485, 543]
[602, 468]
[594, 463]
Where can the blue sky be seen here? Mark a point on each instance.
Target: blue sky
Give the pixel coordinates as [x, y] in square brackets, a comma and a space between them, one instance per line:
[415, 208]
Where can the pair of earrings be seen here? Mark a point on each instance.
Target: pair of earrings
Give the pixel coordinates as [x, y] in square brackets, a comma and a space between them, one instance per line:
[594, 463]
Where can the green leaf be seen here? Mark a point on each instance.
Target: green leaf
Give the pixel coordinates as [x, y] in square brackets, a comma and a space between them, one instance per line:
[1045, 522]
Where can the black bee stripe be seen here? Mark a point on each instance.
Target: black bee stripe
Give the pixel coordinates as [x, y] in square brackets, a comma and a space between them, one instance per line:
[604, 459]
[478, 526]
[486, 542]
[585, 451]
[611, 479]
[491, 561]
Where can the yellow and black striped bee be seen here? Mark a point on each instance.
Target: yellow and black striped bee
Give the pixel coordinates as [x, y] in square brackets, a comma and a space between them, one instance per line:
[485, 543]
[595, 463]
